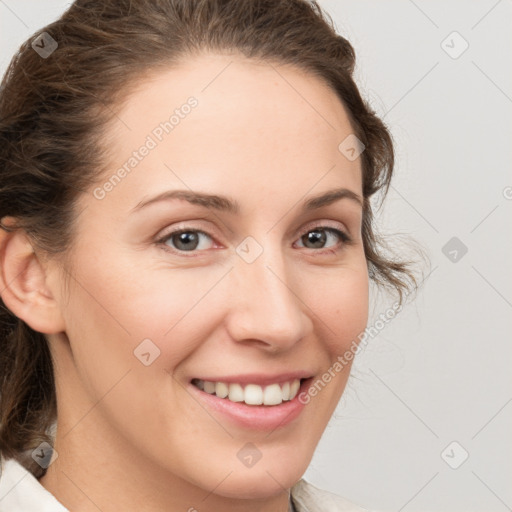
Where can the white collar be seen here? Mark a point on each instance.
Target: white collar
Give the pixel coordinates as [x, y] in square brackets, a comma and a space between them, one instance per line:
[20, 491]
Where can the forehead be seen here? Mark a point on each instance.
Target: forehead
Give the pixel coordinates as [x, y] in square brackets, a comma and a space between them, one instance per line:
[252, 123]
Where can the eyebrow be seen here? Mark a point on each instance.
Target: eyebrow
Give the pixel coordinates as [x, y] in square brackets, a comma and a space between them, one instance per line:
[223, 203]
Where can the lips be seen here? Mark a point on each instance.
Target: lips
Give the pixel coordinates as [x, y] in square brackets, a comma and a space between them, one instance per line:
[253, 402]
[251, 393]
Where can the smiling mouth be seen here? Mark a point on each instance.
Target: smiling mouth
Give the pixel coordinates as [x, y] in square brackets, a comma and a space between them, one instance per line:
[251, 394]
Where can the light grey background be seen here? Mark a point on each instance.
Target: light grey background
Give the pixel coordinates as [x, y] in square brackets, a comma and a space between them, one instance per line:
[439, 372]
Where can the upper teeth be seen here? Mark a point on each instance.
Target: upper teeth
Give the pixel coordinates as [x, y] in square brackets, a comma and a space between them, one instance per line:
[252, 394]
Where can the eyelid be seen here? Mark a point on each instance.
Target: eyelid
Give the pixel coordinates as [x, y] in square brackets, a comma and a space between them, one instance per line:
[318, 224]
[186, 226]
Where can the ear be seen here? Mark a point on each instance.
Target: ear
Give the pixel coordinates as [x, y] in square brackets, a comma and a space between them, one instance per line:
[24, 285]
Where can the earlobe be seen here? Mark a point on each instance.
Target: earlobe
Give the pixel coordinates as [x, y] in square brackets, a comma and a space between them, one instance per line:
[23, 284]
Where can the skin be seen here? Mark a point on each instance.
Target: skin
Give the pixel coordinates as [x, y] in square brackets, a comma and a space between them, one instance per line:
[130, 436]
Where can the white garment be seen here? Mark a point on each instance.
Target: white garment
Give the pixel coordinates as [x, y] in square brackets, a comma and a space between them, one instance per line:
[20, 491]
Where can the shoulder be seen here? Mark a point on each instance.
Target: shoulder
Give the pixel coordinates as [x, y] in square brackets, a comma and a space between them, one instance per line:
[20, 491]
[309, 498]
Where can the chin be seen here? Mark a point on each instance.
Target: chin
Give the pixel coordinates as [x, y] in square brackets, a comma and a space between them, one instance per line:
[267, 481]
[264, 484]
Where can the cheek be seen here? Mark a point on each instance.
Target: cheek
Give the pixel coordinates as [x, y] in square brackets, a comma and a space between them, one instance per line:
[113, 319]
[341, 306]
[113, 311]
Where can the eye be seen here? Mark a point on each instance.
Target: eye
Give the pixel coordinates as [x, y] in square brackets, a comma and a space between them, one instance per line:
[321, 235]
[186, 240]
[194, 240]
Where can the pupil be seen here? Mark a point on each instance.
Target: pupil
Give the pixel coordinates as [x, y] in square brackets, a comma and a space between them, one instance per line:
[187, 240]
[316, 237]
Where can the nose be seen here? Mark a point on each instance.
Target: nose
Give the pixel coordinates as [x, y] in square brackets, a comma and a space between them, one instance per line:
[267, 308]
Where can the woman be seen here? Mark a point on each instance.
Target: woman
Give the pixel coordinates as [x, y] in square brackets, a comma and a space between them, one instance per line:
[142, 374]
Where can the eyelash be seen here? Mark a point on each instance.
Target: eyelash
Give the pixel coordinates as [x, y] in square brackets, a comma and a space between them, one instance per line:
[342, 235]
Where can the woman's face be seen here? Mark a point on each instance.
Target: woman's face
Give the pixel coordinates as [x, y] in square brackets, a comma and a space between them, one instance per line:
[257, 294]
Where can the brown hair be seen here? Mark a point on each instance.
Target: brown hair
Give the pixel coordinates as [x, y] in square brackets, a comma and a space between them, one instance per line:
[54, 110]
